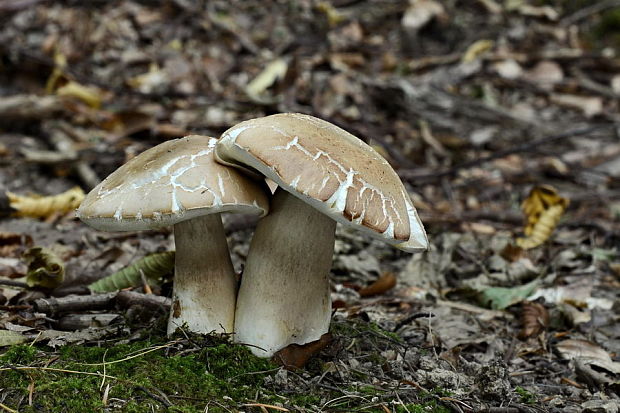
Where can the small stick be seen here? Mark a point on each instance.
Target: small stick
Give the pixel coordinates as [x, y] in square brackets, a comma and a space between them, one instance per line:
[411, 175]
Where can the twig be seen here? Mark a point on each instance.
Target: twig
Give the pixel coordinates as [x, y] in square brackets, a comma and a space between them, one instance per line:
[162, 399]
[74, 303]
[87, 373]
[11, 283]
[65, 145]
[7, 408]
[589, 11]
[24, 107]
[524, 147]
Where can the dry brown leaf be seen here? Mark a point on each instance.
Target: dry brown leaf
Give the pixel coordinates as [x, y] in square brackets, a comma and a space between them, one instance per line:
[385, 282]
[295, 356]
[543, 209]
[420, 13]
[12, 244]
[545, 74]
[589, 105]
[534, 320]
[36, 206]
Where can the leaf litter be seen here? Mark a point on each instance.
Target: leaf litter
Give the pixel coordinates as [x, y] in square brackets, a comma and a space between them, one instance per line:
[475, 105]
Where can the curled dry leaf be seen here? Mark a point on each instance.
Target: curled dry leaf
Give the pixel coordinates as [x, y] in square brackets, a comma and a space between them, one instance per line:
[534, 320]
[543, 209]
[45, 269]
[385, 282]
[295, 356]
[36, 206]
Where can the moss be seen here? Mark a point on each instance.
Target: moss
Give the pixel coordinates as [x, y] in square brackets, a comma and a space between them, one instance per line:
[526, 396]
[185, 375]
[138, 380]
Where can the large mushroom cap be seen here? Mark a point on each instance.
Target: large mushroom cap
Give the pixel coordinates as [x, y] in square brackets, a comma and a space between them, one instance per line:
[169, 183]
[330, 169]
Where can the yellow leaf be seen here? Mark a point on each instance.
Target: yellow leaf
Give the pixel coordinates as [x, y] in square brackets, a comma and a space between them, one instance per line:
[36, 206]
[476, 49]
[271, 73]
[334, 17]
[45, 269]
[543, 209]
[87, 94]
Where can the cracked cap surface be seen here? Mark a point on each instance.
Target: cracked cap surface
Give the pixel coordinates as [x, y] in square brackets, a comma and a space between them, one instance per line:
[169, 183]
[330, 169]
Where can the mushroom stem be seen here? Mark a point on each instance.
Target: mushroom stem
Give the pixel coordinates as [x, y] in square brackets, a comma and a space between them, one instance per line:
[284, 296]
[205, 285]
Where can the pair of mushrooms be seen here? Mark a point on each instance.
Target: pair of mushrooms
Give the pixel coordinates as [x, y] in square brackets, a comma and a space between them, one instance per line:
[324, 175]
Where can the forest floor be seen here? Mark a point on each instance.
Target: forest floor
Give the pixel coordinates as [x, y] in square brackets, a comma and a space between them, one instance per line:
[478, 105]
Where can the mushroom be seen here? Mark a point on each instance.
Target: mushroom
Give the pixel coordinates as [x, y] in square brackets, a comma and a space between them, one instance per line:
[325, 175]
[179, 183]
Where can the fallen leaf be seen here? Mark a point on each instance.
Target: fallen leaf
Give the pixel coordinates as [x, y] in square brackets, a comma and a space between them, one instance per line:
[45, 269]
[274, 71]
[12, 244]
[545, 74]
[539, 11]
[9, 338]
[508, 69]
[543, 209]
[153, 266]
[592, 363]
[385, 282]
[477, 49]
[420, 13]
[295, 356]
[499, 298]
[534, 319]
[153, 80]
[36, 206]
[90, 95]
[333, 16]
[589, 105]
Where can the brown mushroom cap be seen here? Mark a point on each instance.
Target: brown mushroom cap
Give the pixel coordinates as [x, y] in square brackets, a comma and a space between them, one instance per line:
[330, 169]
[169, 183]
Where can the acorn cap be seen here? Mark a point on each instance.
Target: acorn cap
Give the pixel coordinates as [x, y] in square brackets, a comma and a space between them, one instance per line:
[330, 169]
[169, 183]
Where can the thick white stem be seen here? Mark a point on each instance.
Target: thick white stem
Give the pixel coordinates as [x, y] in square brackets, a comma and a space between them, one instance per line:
[284, 296]
[205, 286]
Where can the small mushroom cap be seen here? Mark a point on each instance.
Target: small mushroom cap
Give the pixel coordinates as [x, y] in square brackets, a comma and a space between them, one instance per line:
[330, 169]
[169, 183]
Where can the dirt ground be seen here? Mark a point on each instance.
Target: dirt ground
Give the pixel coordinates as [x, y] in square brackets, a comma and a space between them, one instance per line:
[478, 105]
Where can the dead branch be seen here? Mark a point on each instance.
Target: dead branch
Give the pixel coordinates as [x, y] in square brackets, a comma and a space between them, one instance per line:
[74, 303]
[24, 107]
[412, 176]
[126, 299]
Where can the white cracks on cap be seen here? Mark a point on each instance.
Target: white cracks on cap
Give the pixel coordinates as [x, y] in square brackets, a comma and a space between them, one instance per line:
[338, 200]
[220, 184]
[235, 132]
